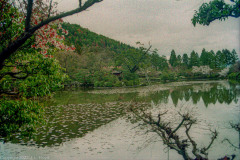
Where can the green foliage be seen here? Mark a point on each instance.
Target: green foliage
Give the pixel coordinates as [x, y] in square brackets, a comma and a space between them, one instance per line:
[159, 62]
[9, 29]
[173, 59]
[30, 75]
[18, 115]
[185, 59]
[234, 72]
[216, 9]
[99, 79]
[168, 77]
[85, 39]
[26, 75]
[234, 76]
[100, 57]
[118, 84]
[129, 76]
[108, 84]
[194, 59]
[208, 59]
[85, 78]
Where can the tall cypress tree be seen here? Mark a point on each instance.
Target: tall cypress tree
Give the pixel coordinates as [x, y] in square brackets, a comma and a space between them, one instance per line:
[204, 59]
[173, 59]
[185, 59]
[179, 60]
[220, 60]
[194, 59]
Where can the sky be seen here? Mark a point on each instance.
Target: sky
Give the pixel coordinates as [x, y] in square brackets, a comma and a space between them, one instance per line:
[166, 24]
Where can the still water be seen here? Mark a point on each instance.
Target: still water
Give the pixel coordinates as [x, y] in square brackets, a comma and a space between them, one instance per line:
[95, 124]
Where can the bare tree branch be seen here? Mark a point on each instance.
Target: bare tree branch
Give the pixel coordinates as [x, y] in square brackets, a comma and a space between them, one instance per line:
[29, 14]
[80, 3]
[214, 136]
[50, 8]
[170, 137]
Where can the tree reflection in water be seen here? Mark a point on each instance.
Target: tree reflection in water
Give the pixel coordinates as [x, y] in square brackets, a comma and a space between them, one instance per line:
[175, 126]
[210, 94]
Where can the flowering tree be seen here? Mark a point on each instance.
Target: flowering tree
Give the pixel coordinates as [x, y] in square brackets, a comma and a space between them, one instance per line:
[27, 29]
[202, 69]
[45, 40]
[35, 16]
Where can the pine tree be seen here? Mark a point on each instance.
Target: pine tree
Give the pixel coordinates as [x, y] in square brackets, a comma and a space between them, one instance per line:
[185, 59]
[173, 59]
[179, 60]
[194, 59]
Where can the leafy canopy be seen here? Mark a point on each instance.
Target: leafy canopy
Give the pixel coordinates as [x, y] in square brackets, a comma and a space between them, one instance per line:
[216, 10]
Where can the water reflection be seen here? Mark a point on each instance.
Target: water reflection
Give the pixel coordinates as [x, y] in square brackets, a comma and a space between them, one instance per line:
[75, 114]
[210, 94]
[66, 122]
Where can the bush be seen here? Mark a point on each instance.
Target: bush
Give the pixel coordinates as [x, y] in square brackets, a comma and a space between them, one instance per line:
[129, 83]
[168, 76]
[214, 75]
[136, 82]
[108, 84]
[101, 84]
[118, 84]
[129, 76]
[19, 115]
[85, 78]
[234, 76]
[96, 84]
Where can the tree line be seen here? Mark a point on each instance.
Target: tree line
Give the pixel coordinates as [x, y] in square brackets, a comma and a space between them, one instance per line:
[219, 60]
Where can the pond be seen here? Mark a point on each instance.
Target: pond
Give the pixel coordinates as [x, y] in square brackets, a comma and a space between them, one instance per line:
[95, 124]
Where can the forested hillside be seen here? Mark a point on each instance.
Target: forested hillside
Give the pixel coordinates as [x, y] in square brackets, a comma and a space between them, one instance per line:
[103, 62]
[98, 58]
[83, 38]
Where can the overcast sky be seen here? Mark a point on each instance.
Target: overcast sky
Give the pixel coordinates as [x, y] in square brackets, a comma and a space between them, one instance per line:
[165, 23]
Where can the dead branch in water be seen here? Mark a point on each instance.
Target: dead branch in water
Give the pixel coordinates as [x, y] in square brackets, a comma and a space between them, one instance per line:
[170, 137]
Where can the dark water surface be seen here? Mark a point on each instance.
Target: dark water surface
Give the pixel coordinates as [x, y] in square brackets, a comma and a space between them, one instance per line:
[94, 124]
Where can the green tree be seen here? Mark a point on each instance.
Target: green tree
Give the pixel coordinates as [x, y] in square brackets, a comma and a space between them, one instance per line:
[185, 59]
[207, 58]
[220, 60]
[204, 57]
[179, 60]
[158, 62]
[231, 57]
[194, 59]
[26, 76]
[212, 59]
[134, 58]
[234, 57]
[216, 9]
[173, 59]
[228, 56]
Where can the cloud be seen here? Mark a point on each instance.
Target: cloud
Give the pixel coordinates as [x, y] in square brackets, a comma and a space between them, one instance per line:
[166, 23]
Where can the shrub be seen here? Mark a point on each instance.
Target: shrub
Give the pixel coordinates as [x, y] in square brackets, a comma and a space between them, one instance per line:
[129, 83]
[118, 84]
[168, 76]
[19, 115]
[108, 84]
[234, 76]
[130, 76]
[96, 84]
[136, 82]
[85, 78]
